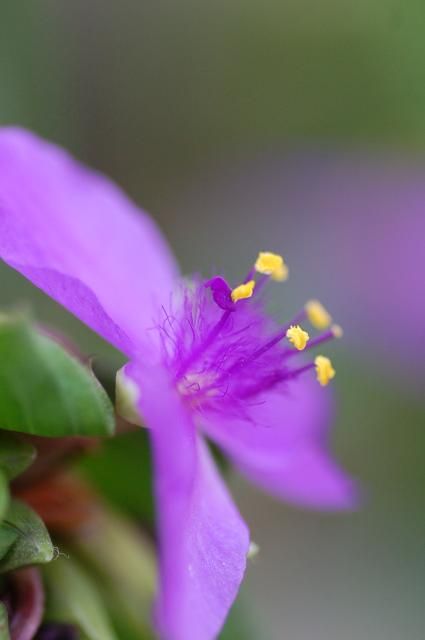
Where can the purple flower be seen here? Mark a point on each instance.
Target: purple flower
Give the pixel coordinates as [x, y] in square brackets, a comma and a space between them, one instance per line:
[360, 214]
[205, 358]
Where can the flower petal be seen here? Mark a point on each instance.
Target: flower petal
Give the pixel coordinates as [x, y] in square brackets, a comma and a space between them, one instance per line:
[282, 446]
[75, 235]
[203, 540]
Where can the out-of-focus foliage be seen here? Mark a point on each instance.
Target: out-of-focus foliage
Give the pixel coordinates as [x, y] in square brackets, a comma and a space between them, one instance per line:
[74, 598]
[44, 390]
[4, 627]
[126, 576]
[263, 72]
[4, 494]
[131, 488]
[15, 455]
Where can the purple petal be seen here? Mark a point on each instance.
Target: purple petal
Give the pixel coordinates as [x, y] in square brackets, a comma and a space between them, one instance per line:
[203, 540]
[282, 447]
[75, 235]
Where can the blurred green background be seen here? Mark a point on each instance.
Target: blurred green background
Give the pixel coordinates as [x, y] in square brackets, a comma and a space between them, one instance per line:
[292, 125]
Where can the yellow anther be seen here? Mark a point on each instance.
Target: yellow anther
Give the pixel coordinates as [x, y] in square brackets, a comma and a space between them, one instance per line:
[243, 291]
[317, 315]
[298, 337]
[324, 370]
[271, 264]
[337, 331]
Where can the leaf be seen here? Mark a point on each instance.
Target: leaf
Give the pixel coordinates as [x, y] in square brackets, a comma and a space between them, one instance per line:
[73, 598]
[4, 625]
[32, 544]
[15, 455]
[4, 494]
[123, 561]
[44, 390]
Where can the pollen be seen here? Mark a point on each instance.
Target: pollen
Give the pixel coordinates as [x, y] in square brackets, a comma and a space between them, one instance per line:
[337, 331]
[243, 291]
[324, 370]
[298, 337]
[273, 265]
[317, 315]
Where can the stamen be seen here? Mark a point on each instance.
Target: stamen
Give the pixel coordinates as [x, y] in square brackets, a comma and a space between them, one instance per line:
[226, 299]
[273, 265]
[337, 331]
[334, 332]
[243, 291]
[324, 370]
[294, 373]
[204, 346]
[280, 335]
[221, 361]
[317, 315]
[298, 337]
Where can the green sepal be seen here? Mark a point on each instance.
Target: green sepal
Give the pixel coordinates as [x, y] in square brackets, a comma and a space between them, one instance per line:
[31, 544]
[7, 538]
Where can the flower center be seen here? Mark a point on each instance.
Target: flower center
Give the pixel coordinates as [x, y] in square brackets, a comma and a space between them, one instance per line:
[224, 347]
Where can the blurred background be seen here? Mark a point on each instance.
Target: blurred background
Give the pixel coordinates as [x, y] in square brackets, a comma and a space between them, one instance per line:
[291, 125]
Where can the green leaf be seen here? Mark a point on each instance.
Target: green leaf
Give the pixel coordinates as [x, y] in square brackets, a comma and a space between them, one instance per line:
[123, 561]
[44, 390]
[72, 597]
[32, 544]
[4, 494]
[4, 625]
[15, 455]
